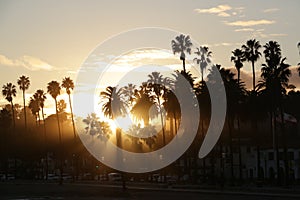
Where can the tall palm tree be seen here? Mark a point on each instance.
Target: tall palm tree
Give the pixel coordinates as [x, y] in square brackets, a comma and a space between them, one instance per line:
[182, 44]
[238, 57]
[203, 59]
[40, 96]
[53, 89]
[24, 84]
[275, 75]
[252, 55]
[9, 92]
[68, 84]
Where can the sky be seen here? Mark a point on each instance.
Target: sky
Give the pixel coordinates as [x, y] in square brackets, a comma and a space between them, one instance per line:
[49, 40]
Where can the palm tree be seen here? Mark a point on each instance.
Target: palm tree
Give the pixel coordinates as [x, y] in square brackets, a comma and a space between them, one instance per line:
[24, 84]
[275, 75]
[53, 89]
[114, 106]
[158, 87]
[252, 54]
[35, 108]
[203, 59]
[238, 57]
[113, 103]
[182, 44]
[40, 96]
[141, 108]
[9, 92]
[68, 84]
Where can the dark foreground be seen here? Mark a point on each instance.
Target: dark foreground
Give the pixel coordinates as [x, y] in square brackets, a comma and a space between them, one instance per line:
[49, 191]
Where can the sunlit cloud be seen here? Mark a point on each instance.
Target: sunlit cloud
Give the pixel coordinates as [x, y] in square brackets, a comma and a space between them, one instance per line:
[270, 10]
[220, 10]
[28, 62]
[244, 30]
[250, 23]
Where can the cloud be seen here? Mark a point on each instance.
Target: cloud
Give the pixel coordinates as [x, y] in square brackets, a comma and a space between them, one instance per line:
[28, 62]
[270, 10]
[250, 23]
[244, 30]
[220, 10]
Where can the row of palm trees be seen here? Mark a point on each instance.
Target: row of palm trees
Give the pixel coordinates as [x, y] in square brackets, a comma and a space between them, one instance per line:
[157, 91]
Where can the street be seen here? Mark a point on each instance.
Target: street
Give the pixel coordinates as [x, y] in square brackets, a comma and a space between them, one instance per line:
[40, 191]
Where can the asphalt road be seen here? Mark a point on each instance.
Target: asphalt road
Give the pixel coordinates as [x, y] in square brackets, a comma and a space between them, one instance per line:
[46, 191]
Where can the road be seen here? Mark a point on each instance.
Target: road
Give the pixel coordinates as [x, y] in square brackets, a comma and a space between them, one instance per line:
[41, 191]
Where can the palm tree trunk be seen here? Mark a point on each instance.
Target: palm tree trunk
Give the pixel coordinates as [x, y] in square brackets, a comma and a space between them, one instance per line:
[45, 140]
[13, 112]
[183, 64]
[231, 149]
[60, 144]
[72, 116]
[239, 138]
[253, 75]
[284, 139]
[25, 116]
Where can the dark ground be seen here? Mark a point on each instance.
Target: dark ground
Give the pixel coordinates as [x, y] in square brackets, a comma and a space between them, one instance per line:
[78, 191]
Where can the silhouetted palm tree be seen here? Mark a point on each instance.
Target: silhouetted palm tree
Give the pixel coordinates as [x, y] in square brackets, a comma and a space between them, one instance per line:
[35, 108]
[9, 92]
[40, 96]
[252, 54]
[53, 89]
[238, 57]
[203, 59]
[24, 84]
[68, 84]
[158, 86]
[275, 75]
[114, 106]
[141, 109]
[182, 44]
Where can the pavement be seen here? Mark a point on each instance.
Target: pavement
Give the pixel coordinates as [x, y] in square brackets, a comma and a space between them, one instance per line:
[33, 190]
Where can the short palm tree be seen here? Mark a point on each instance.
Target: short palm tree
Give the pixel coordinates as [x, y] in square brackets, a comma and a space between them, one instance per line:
[9, 92]
[238, 57]
[158, 86]
[181, 45]
[203, 59]
[24, 84]
[35, 108]
[68, 84]
[252, 55]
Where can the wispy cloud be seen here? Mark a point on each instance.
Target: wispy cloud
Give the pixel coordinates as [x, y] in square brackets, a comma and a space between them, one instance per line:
[244, 30]
[270, 10]
[249, 23]
[220, 10]
[28, 62]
